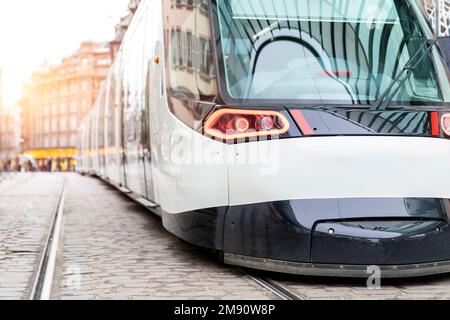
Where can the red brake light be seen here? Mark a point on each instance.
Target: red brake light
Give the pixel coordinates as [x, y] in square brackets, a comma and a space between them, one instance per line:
[435, 132]
[231, 124]
[445, 123]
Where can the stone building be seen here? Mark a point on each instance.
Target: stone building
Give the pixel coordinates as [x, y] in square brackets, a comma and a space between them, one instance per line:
[54, 102]
[58, 97]
[9, 130]
[9, 137]
[122, 27]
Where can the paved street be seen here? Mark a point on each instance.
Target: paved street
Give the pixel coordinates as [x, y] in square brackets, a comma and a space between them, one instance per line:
[111, 248]
[26, 207]
[430, 288]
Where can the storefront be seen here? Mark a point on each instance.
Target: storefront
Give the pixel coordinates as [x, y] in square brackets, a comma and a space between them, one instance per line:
[54, 160]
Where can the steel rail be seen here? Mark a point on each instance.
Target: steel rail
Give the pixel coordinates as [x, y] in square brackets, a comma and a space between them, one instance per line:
[273, 286]
[44, 277]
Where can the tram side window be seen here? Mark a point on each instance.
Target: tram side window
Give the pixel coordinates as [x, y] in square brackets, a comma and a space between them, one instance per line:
[110, 107]
[190, 69]
[101, 116]
[133, 59]
[133, 77]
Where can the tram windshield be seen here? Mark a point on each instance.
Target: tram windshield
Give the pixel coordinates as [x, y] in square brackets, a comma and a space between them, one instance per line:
[323, 51]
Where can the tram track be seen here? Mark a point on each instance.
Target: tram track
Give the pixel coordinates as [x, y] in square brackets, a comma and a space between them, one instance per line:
[275, 287]
[42, 284]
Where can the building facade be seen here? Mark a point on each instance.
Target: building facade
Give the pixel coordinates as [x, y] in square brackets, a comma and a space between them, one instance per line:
[1, 89]
[58, 97]
[55, 101]
[9, 132]
[9, 138]
[122, 27]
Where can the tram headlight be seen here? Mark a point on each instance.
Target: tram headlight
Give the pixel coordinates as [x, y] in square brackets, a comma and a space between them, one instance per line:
[445, 124]
[236, 124]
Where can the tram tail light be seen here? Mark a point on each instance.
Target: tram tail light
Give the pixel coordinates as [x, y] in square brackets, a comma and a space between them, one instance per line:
[235, 124]
[435, 130]
[445, 124]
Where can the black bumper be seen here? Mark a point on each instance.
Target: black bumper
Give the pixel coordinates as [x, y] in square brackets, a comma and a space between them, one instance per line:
[337, 237]
[336, 270]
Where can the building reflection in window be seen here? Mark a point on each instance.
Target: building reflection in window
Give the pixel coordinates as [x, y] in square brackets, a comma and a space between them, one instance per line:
[190, 74]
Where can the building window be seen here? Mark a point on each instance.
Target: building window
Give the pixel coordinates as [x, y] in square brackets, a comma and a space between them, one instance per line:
[204, 4]
[189, 49]
[63, 108]
[174, 48]
[54, 125]
[63, 124]
[73, 107]
[73, 140]
[180, 50]
[104, 62]
[205, 57]
[84, 105]
[73, 123]
[63, 141]
[54, 142]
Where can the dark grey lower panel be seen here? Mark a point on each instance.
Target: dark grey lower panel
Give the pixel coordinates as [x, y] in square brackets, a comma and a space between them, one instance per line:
[343, 271]
[203, 228]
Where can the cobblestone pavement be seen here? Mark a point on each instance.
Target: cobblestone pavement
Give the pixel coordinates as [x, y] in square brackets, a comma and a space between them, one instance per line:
[27, 203]
[114, 249]
[8, 180]
[430, 288]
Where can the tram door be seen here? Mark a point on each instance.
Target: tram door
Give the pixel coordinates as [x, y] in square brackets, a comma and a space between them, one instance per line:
[134, 57]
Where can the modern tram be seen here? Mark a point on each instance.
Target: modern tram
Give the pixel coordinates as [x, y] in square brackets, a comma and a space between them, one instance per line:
[306, 137]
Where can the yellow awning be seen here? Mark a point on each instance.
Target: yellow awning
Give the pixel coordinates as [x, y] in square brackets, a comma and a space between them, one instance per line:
[52, 153]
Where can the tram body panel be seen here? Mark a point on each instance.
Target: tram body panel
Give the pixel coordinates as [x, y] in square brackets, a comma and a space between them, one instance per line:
[90, 143]
[101, 139]
[133, 64]
[318, 168]
[114, 146]
[189, 169]
[95, 139]
[109, 128]
[116, 172]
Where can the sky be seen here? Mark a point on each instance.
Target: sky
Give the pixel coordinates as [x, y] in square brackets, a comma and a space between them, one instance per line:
[35, 31]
